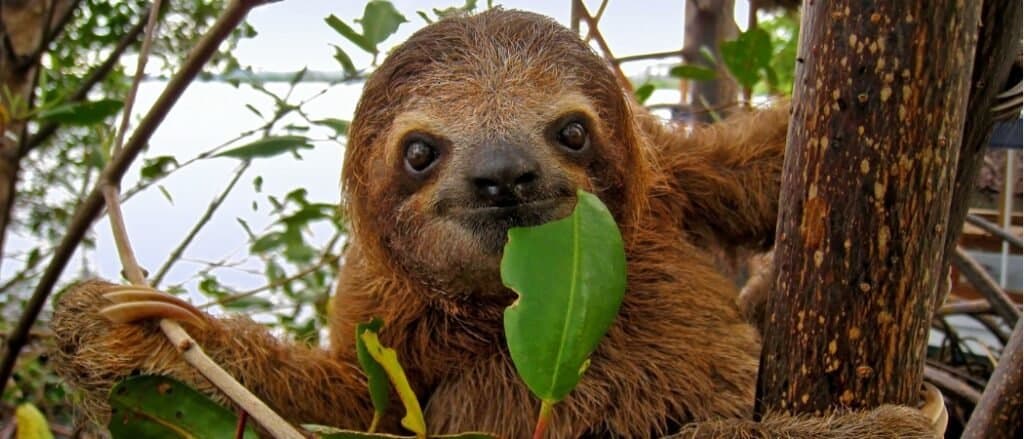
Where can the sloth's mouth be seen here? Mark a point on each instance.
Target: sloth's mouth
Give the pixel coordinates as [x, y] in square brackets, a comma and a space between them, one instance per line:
[491, 223]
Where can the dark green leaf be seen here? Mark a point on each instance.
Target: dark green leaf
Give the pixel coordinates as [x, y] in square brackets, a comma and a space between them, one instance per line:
[691, 71]
[268, 147]
[570, 275]
[252, 303]
[349, 33]
[747, 55]
[267, 242]
[165, 193]
[643, 93]
[298, 76]
[157, 166]
[82, 113]
[380, 20]
[376, 376]
[159, 407]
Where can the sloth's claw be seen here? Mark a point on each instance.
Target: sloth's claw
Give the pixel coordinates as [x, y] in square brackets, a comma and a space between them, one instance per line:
[133, 304]
[934, 408]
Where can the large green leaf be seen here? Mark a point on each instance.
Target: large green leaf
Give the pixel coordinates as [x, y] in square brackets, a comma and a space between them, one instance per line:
[82, 113]
[748, 56]
[152, 406]
[267, 147]
[346, 31]
[377, 377]
[570, 275]
[380, 20]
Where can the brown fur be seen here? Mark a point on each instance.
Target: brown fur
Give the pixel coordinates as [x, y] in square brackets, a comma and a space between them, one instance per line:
[679, 353]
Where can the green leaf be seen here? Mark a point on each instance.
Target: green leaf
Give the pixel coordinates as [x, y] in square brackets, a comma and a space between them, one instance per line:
[344, 60]
[643, 92]
[158, 166]
[349, 33]
[159, 407]
[376, 376]
[747, 55]
[387, 358]
[323, 432]
[250, 303]
[82, 113]
[570, 275]
[339, 126]
[694, 72]
[268, 147]
[380, 20]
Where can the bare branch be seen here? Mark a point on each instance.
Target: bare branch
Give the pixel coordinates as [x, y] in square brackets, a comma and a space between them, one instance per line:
[987, 286]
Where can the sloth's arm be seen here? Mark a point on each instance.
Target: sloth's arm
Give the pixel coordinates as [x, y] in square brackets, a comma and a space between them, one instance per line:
[724, 178]
[303, 384]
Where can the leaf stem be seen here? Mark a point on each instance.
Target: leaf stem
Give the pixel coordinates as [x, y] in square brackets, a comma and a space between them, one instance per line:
[543, 419]
[374, 422]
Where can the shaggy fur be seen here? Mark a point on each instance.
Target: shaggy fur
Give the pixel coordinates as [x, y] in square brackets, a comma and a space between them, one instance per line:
[680, 354]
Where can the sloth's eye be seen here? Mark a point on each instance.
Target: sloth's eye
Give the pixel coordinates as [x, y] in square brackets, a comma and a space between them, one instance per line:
[419, 155]
[573, 136]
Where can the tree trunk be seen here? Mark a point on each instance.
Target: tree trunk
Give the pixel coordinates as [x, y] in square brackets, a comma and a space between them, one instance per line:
[998, 44]
[708, 23]
[878, 113]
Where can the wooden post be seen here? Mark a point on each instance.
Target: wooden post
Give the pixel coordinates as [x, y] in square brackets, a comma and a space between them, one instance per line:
[878, 112]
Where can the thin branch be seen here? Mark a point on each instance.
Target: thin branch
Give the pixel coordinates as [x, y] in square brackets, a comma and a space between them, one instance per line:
[593, 32]
[994, 230]
[91, 206]
[647, 56]
[950, 385]
[998, 412]
[965, 307]
[987, 286]
[203, 220]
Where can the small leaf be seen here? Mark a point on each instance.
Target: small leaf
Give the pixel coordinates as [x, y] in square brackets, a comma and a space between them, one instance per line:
[570, 275]
[344, 60]
[299, 75]
[694, 72]
[268, 147]
[376, 376]
[159, 407]
[349, 33]
[31, 423]
[339, 126]
[267, 242]
[380, 20]
[82, 113]
[166, 193]
[157, 166]
[248, 303]
[643, 93]
[387, 358]
[747, 55]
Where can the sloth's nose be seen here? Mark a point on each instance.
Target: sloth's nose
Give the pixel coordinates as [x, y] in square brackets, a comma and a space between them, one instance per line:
[503, 175]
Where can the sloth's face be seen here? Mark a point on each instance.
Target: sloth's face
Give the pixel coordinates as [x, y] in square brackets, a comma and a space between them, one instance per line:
[469, 170]
[476, 125]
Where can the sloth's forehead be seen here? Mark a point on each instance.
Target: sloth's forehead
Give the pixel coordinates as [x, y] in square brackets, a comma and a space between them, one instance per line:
[468, 116]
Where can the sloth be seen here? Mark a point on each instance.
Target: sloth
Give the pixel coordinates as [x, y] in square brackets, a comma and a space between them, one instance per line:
[474, 125]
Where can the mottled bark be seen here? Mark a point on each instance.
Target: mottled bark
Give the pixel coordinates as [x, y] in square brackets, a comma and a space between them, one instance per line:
[998, 45]
[998, 414]
[708, 23]
[878, 113]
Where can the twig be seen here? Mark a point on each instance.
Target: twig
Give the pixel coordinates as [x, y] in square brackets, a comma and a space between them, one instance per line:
[987, 286]
[203, 220]
[994, 230]
[326, 258]
[593, 32]
[950, 385]
[101, 71]
[90, 207]
[998, 412]
[965, 307]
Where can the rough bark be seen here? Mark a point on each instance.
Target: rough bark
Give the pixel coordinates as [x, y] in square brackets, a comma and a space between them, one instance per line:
[998, 414]
[879, 108]
[708, 23]
[998, 44]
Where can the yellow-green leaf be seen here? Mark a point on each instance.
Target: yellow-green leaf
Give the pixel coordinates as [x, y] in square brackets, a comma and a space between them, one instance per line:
[376, 376]
[31, 423]
[323, 432]
[388, 359]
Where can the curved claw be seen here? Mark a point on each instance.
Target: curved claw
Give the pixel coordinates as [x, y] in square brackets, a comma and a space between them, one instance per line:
[132, 304]
[934, 408]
